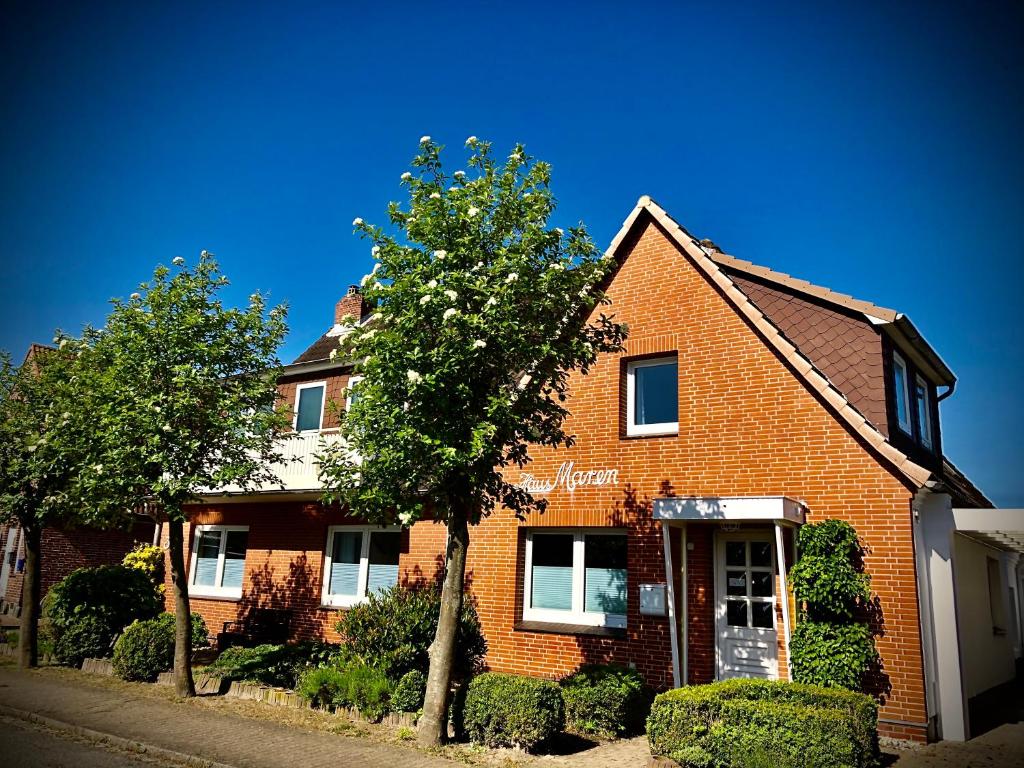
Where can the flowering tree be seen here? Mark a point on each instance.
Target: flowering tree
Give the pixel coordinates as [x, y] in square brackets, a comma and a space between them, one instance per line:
[481, 312]
[46, 463]
[187, 390]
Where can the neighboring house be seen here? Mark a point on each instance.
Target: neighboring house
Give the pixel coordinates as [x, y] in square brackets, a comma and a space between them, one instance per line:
[745, 404]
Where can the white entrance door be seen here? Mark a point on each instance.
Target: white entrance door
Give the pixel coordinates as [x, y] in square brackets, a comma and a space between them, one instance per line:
[748, 643]
[5, 568]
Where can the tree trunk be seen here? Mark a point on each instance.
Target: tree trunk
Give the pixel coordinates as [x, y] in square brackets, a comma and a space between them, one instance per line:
[28, 646]
[433, 726]
[183, 683]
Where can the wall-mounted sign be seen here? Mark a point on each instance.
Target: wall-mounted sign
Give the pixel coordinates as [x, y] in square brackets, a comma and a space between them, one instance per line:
[569, 478]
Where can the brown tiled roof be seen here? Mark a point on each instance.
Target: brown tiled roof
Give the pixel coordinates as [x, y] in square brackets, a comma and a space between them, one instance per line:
[964, 492]
[318, 350]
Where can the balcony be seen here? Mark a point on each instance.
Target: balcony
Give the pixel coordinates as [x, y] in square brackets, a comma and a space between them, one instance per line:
[299, 470]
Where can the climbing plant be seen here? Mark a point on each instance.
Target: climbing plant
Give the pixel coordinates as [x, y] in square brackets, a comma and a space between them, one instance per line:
[832, 642]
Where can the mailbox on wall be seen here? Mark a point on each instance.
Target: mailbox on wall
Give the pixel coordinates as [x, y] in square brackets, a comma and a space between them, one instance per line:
[652, 600]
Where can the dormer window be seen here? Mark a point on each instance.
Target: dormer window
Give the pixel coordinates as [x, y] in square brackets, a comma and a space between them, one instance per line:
[924, 411]
[309, 407]
[902, 392]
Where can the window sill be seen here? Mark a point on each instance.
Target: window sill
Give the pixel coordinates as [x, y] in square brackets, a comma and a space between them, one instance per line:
[229, 597]
[552, 628]
[644, 435]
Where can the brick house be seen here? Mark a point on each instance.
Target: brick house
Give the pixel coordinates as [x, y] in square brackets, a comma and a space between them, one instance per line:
[746, 403]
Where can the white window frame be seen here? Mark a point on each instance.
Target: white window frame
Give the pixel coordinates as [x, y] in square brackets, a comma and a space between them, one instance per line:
[925, 426]
[298, 396]
[576, 615]
[905, 425]
[217, 591]
[352, 381]
[663, 428]
[327, 600]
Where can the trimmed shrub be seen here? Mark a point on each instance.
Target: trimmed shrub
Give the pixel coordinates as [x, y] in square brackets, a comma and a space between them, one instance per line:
[606, 700]
[409, 692]
[276, 665]
[764, 722]
[354, 685]
[84, 638]
[144, 650]
[320, 685]
[392, 630]
[834, 655]
[512, 710]
[200, 635]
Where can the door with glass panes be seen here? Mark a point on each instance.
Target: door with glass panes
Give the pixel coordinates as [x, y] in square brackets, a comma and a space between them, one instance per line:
[745, 597]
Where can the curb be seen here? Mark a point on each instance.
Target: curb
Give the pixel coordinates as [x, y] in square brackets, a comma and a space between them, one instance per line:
[120, 742]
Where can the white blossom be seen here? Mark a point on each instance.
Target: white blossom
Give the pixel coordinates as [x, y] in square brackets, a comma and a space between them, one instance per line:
[512, 277]
[97, 468]
[558, 266]
[424, 299]
[375, 250]
[369, 334]
[558, 231]
[471, 141]
[473, 212]
[432, 284]
[357, 221]
[479, 344]
[439, 255]
[135, 296]
[435, 195]
[178, 261]
[451, 294]
[376, 317]
[453, 188]
[413, 376]
[405, 518]
[166, 427]
[527, 194]
[449, 312]
[424, 139]
[459, 174]
[406, 176]
[365, 280]
[491, 301]
[204, 253]
[375, 268]
[334, 354]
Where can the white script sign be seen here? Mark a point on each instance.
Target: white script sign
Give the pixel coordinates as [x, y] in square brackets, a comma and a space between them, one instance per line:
[568, 478]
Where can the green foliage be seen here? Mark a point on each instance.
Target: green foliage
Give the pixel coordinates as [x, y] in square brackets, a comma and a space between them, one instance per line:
[89, 607]
[832, 644]
[275, 665]
[392, 630]
[409, 692]
[761, 722]
[605, 700]
[148, 558]
[351, 685]
[444, 406]
[512, 710]
[200, 634]
[9, 636]
[320, 685]
[144, 650]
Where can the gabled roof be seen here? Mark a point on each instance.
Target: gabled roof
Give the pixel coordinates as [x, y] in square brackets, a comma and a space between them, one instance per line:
[800, 363]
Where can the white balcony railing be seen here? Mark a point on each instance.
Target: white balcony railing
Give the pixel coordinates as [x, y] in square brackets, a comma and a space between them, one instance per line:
[299, 470]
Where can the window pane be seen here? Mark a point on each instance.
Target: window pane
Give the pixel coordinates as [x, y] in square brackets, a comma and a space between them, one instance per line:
[902, 407]
[310, 401]
[761, 584]
[207, 552]
[763, 615]
[384, 551]
[552, 572]
[234, 558]
[923, 417]
[736, 583]
[736, 553]
[348, 549]
[736, 613]
[656, 394]
[604, 574]
[761, 553]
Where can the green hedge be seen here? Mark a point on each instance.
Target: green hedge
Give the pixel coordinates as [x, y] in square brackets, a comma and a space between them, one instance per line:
[353, 685]
[605, 700]
[409, 692]
[144, 650]
[512, 711]
[737, 723]
[276, 665]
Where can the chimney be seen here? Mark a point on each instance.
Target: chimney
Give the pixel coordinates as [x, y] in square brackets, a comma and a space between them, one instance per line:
[352, 303]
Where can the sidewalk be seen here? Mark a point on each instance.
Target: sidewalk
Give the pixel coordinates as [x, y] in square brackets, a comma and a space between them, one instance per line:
[236, 741]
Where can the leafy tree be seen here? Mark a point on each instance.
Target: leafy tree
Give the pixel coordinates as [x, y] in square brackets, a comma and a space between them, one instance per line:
[481, 313]
[45, 462]
[187, 390]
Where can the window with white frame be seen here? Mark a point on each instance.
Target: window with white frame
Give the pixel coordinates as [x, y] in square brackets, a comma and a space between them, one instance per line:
[351, 395]
[359, 560]
[309, 406]
[652, 396]
[924, 411]
[901, 387]
[218, 560]
[576, 577]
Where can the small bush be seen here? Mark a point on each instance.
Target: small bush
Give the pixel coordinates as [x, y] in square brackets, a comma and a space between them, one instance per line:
[276, 665]
[144, 650]
[200, 634]
[393, 630]
[9, 636]
[148, 558]
[85, 638]
[320, 685]
[353, 685]
[512, 711]
[605, 700]
[409, 692]
[762, 722]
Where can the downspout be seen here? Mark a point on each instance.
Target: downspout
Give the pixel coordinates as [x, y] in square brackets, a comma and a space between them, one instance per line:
[949, 391]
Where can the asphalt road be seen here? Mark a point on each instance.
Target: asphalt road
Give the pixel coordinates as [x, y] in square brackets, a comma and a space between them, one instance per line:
[28, 745]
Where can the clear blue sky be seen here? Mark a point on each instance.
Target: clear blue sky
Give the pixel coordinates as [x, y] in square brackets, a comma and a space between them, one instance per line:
[875, 149]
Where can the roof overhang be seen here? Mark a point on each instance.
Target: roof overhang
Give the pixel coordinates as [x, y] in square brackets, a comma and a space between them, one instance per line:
[912, 343]
[732, 508]
[999, 528]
